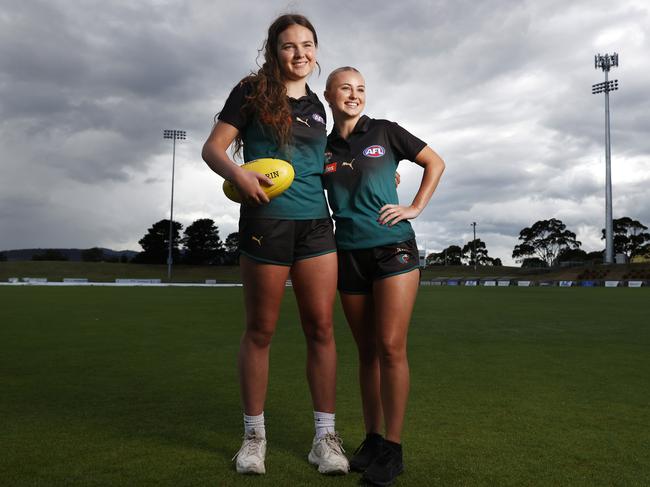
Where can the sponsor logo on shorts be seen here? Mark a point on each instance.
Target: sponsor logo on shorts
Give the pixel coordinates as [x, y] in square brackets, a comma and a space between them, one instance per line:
[257, 239]
[374, 151]
[318, 118]
[404, 258]
[331, 167]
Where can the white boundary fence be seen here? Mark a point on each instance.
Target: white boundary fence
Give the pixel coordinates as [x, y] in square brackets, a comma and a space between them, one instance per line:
[458, 282]
[79, 282]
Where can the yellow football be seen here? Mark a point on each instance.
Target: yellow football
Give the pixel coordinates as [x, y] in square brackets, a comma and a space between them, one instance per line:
[277, 170]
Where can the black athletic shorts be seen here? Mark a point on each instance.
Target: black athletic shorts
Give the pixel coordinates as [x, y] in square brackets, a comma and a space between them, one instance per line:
[282, 242]
[358, 269]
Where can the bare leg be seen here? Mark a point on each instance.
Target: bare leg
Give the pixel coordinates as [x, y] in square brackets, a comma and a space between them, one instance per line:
[394, 298]
[314, 283]
[359, 313]
[263, 290]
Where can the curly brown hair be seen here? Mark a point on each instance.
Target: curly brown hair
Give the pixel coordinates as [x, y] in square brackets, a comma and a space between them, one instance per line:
[268, 100]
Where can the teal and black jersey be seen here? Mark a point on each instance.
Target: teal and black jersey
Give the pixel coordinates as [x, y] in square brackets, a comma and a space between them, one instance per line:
[359, 178]
[304, 200]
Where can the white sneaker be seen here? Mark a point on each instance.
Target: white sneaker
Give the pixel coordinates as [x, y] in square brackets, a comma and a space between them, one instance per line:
[250, 457]
[327, 453]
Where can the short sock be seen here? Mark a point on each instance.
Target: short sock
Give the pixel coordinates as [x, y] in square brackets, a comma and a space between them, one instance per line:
[324, 423]
[254, 424]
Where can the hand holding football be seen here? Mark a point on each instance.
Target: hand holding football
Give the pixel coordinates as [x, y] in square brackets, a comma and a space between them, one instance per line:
[277, 170]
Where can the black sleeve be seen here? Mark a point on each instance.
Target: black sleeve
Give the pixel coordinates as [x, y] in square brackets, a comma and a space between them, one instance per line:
[233, 112]
[404, 144]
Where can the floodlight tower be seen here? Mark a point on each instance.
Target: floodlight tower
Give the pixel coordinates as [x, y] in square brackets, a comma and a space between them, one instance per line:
[174, 135]
[606, 62]
[473, 224]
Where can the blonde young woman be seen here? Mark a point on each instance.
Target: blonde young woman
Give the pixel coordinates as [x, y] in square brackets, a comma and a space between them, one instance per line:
[273, 113]
[378, 259]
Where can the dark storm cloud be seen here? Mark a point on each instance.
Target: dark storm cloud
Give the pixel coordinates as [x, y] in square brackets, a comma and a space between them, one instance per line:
[583, 116]
[94, 97]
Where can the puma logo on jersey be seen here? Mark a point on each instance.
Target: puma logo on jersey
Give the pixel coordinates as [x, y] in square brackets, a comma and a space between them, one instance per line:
[258, 239]
[349, 164]
[298, 119]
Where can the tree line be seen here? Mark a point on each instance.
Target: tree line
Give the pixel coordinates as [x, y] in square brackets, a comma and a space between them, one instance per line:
[199, 245]
[548, 243]
[544, 244]
[474, 251]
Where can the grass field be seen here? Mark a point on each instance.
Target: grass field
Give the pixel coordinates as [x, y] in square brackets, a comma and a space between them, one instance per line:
[137, 386]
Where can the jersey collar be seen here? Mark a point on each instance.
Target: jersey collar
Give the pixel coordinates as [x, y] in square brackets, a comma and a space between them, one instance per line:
[309, 96]
[363, 124]
[361, 127]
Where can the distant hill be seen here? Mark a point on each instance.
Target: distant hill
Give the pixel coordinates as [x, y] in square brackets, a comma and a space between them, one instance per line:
[73, 255]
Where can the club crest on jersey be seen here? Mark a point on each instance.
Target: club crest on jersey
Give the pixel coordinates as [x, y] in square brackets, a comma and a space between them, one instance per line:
[331, 167]
[404, 258]
[374, 151]
[318, 118]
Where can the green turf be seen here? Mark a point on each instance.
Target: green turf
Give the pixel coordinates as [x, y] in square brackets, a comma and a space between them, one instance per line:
[137, 386]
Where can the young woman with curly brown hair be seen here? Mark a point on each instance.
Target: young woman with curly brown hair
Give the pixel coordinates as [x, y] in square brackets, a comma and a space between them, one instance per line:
[273, 113]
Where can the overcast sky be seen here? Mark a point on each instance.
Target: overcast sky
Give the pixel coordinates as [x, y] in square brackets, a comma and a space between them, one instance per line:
[500, 89]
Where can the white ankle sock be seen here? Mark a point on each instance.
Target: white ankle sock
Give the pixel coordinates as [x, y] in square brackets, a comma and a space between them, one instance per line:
[254, 424]
[324, 423]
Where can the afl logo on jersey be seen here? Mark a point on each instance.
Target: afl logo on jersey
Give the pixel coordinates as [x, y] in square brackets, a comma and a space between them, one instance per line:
[318, 118]
[374, 151]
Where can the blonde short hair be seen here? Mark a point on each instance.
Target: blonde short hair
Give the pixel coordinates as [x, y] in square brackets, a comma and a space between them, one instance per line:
[337, 71]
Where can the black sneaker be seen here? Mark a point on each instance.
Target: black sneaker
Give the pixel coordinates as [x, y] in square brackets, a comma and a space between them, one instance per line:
[386, 467]
[368, 450]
